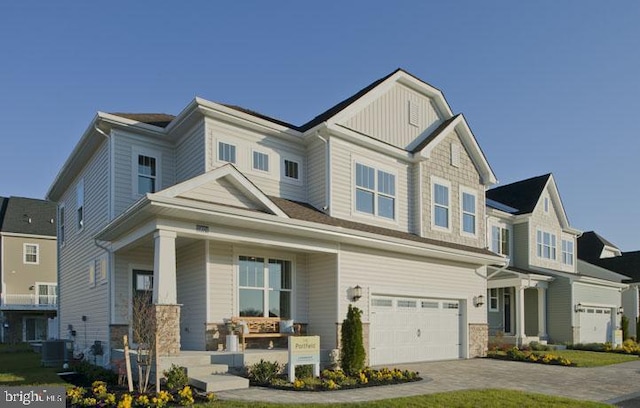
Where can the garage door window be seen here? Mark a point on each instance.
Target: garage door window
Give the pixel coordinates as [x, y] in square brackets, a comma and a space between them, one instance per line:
[430, 305]
[382, 302]
[407, 303]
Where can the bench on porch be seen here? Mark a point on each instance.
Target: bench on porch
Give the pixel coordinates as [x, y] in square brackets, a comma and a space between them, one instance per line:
[263, 327]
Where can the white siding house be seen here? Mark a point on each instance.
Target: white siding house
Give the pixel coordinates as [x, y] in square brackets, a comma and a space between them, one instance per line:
[236, 214]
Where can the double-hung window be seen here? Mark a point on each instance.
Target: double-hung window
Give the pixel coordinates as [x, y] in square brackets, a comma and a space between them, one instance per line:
[546, 245]
[80, 204]
[468, 206]
[31, 254]
[147, 174]
[265, 287]
[567, 252]
[441, 205]
[226, 152]
[375, 191]
[500, 240]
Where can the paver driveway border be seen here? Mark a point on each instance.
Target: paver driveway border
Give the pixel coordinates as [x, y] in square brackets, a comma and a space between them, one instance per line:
[603, 384]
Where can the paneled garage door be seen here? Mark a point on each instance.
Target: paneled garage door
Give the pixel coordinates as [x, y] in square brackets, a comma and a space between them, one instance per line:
[408, 329]
[595, 324]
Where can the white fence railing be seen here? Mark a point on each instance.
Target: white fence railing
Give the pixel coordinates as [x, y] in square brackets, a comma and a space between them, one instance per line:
[39, 301]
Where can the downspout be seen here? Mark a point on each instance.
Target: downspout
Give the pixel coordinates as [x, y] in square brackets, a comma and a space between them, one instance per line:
[327, 170]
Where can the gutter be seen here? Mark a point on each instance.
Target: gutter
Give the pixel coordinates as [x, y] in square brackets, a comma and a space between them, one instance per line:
[327, 183]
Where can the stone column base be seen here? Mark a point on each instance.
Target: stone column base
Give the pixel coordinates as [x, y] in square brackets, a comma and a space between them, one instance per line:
[478, 339]
[168, 329]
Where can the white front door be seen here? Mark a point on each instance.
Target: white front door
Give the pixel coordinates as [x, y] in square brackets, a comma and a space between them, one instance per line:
[595, 324]
[409, 329]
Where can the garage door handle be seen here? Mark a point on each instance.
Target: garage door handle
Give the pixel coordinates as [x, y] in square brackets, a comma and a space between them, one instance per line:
[419, 333]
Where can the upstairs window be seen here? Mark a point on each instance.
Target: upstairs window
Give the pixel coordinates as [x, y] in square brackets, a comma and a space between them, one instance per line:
[31, 254]
[567, 252]
[80, 204]
[375, 191]
[546, 245]
[291, 169]
[260, 161]
[441, 205]
[500, 240]
[468, 213]
[226, 152]
[147, 174]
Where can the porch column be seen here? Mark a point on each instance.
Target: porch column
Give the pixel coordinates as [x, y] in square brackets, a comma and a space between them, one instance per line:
[520, 334]
[542, 313]
[164, 268]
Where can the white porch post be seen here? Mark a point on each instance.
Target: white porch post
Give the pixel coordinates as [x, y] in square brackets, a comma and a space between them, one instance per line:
[164, 268]
[520, 334]
[542, 313]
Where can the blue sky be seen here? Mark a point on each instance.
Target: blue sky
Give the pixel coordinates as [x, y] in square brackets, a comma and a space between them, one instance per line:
[546, 86]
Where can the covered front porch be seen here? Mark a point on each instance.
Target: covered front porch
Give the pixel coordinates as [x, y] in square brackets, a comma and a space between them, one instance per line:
[517, 306]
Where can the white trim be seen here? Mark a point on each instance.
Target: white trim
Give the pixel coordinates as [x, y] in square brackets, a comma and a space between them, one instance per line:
[136, 152]
[18, 235]
[24, 253]
[469, 191]
[445, 183]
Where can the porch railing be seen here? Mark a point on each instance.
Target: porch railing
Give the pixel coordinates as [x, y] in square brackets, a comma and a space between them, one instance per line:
[9, 301]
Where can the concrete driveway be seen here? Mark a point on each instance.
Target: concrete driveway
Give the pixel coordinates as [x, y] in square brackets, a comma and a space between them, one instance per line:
[605, 384]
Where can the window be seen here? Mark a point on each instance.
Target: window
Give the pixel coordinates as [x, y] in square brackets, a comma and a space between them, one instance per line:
[226, 152]
[567, 252]
[47, 293]
[546, 244]
[102, 269]
[546, 205]
[500, 240]
[265, 287]
[468, 213]
[92, 274]
[375, 191]
[493, 300]
[61, 224]
[80, 204]
[31, 254]
[147, 173]
[260, 161]
[291, 169]
[441, 205]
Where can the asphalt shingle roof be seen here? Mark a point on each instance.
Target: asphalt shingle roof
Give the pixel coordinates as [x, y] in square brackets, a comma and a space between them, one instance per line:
[522, 195]
[627, 264]
[29, 216]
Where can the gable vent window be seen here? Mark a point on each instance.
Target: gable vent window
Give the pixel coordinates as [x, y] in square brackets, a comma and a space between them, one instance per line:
[455, 155]
[413, 113]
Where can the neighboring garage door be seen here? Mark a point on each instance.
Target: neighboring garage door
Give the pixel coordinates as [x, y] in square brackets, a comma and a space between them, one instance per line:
[408, 329]
[595, 324]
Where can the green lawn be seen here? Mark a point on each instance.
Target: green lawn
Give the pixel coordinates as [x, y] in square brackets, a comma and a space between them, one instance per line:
[473, 398]
[20, 365]
[591, 358]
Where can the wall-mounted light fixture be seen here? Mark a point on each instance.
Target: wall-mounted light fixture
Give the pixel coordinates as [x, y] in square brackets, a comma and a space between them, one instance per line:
[356, 293]
[478, 300]
[620, 310]
[31, 287]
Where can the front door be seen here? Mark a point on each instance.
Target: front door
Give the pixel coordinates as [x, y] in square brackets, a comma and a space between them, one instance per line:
[507, 311]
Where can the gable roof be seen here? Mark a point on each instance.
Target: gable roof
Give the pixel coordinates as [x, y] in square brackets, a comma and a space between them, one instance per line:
[591, 245]
[156, 119]
[29, 216]
[3, 208]
[522, 195]
[439, 130]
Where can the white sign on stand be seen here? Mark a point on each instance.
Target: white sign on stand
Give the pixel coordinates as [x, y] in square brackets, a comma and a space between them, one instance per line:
[304, 350]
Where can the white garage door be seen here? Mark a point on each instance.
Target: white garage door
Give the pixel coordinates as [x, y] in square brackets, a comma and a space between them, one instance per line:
[595, 324]
[406, 330]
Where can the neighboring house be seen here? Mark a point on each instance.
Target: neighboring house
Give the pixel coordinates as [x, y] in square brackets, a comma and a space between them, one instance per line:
[223, 212]
[544, 294]
[597, 251]
[28, 260]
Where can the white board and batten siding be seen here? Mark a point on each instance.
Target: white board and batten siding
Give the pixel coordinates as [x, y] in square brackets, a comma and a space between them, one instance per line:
[78, 296]
[192, 294]
[399, 117]
[191, 154]
[344, 157]
[125, 146]
[271, 182]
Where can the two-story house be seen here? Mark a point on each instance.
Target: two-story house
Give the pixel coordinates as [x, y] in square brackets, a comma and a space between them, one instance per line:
[544, 293]
[28, 278]
[599, 252]
[222, 212]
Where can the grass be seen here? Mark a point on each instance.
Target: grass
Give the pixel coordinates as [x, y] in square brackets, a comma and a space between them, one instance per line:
[591, 358]
[20, 365]
[471, 398]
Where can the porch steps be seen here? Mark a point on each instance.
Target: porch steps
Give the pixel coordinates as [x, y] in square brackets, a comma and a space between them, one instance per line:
[218, 382]
[206, 369]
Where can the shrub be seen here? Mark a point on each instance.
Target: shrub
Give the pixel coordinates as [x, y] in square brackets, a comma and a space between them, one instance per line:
[91, 373]
[263, 372]
[176, 377]
[352, 354]
[535, 346]
[624, 325]
[304, 371]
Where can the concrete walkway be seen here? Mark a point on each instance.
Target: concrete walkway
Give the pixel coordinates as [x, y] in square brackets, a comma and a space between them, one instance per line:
[604, 384]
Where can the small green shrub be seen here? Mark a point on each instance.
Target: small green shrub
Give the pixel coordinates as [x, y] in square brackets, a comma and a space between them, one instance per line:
[352, 354]
[304, 371]
[624, 325]
[535, 346]
[176, 377]
[263, 372]
[90, 373]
